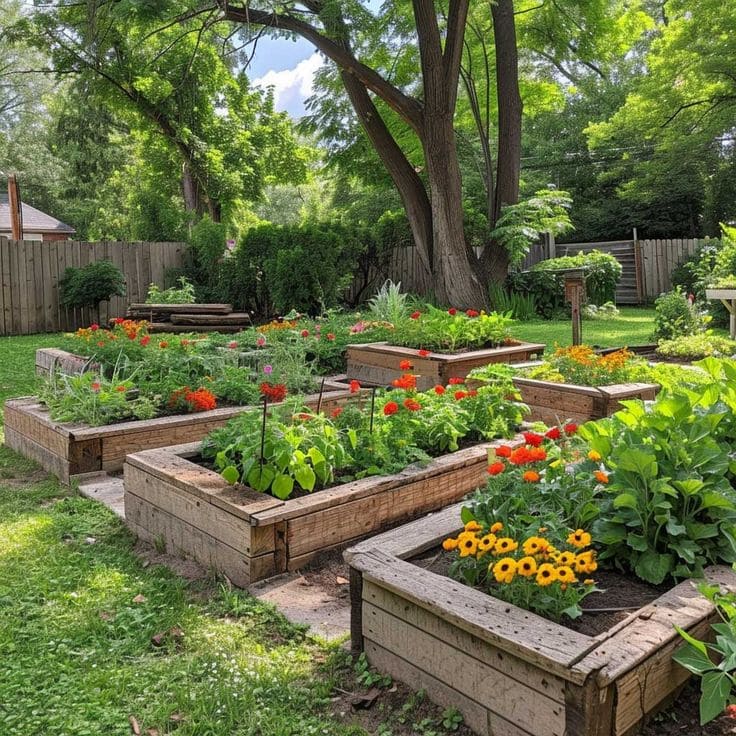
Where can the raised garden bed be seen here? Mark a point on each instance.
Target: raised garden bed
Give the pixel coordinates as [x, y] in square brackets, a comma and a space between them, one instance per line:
[377, 363]
[54, 360]
[249, 536]
[507, 670]
[552, 402]
[67, 449]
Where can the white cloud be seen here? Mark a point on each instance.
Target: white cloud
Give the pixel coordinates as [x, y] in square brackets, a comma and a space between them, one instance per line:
[292, 86]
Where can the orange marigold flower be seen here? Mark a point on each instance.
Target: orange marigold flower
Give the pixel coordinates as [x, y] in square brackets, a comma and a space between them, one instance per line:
[405, 365]
[530, 476]
[504, 451]
[407, 381]
[601, 477]
[412, 404]
[354, 386]
[456, 381]
[459, 395]
[120, 389]
[200, 400]
[496, 527]
[423, 353]
[449, 544]
[163, 344]
[274, 392]
[439, 390]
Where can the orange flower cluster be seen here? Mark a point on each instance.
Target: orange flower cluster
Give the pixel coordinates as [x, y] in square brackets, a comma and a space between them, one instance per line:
[407, 381]
[198, 400]
[277, 325]
[273, 392]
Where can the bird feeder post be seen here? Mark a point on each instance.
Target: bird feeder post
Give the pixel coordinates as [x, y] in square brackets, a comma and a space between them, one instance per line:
[575, 296]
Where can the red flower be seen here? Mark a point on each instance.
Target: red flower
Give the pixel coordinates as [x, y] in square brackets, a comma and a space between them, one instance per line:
[305, 333]
[439, 390]
[405, 365]
[415, 315]
[100, 344]
[232, 344]
[503, 451]
[274, 392]
[521, 456]
[533, 439]
[120, 389]
[391, 408]
[570, 428]
[354, 386]
[553, 434]
[145, 340]
[304, 416]
[185, 343]
[200, 400]
[94, 327]
[423, 353]
[407, 381]
[330, 336]
[496, 468]
[412, 405]
[336, 412]
[163, 344]
[731, 712]
[472, 392]
[119, 320]
[452, 311]
[95, 386]
[472, 313]
[537, 453]
[459, 395]
[456, 381]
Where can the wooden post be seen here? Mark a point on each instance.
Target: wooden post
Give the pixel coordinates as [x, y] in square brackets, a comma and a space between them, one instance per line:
[575, 296]
[14, 204]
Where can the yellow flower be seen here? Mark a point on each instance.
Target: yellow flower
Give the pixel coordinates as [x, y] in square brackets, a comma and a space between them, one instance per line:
[466, 535]
[527, 566]
[472, 526]
[468, 546]
[504, 545]
[579, 538]
[565, 574]
[449, 544]
[585, 562]
[546, 575]
[566, 558]
[533, 545]
[486, 544]
[496, 528]
[588, 581]
[594, 456]
[504, 570]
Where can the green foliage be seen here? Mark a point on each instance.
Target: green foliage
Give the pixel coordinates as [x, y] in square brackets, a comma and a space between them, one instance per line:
[670, 509]
[183, 294]
[603, 312]
[521, 306]
[207, 248]
[389, 304]
[602, 271]
[714, 662]
[451, 330]
[520, 225]
[91, 284]
[695, 347]
[675, 316]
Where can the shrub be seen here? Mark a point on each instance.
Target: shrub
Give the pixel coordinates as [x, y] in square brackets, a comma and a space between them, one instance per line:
[207, 249]
[603, 272]
[389, 304]
[184, 294]
[675, 316]
[91, 284]
[521, 306]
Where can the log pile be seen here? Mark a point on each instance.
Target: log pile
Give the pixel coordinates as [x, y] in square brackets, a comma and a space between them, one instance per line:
[190, 317]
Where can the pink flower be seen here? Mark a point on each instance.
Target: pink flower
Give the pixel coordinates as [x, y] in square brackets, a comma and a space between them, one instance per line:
[305, 333]
[232, 344]
[358, 327]
[94, 327]
[260, 341]
[268, 369]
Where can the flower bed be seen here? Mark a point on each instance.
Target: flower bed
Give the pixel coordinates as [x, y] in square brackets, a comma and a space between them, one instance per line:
[69, 449]
[576, 383]
[376, 363]
[248, 535]
[507, 670]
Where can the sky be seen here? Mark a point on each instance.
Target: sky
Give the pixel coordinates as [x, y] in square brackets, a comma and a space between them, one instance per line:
[289, 66]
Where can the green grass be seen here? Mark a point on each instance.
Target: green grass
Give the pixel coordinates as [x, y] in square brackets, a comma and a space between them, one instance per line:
[78, 657]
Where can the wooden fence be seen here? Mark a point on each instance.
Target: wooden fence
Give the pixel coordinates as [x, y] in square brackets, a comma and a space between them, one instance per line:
[30, 272]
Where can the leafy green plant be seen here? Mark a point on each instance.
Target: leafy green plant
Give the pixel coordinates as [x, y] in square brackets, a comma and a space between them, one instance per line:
[451, 330]
[183, 294]
[523, 223]
[675, 316]
[714, 663]
[605, 311]
[670, 509]
[695, 347]
[389, 304]
[520, 306]
[91, 284]
[367, 676]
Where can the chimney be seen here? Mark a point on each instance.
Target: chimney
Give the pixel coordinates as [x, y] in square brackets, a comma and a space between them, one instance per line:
[16, 213]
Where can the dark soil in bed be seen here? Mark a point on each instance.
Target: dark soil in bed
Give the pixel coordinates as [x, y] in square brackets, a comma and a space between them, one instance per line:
[620, 595]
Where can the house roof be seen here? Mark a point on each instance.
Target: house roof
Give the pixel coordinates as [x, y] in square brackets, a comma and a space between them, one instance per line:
[34, 221]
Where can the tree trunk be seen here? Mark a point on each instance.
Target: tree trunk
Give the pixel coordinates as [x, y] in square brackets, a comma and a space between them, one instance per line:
[510, 106]
[455, 280]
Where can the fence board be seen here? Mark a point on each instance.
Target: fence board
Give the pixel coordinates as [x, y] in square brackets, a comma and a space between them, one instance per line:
[30, 273]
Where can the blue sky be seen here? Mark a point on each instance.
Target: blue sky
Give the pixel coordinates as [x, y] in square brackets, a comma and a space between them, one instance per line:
[288, 66]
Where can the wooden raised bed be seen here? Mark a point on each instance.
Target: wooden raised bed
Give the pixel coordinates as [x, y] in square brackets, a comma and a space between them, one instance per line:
[377, 363]
[249, 536]
[67, 449]
[557, 402]
[53, 360]
[507, 670]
